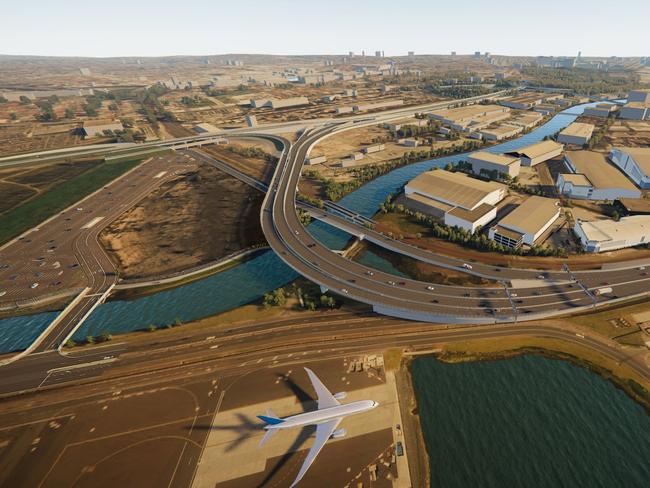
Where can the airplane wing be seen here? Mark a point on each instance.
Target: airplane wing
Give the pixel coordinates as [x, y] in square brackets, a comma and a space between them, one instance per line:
[325, 398]
[323, 432]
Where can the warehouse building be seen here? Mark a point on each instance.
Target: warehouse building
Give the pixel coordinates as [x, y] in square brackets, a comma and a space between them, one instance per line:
[609, 235]
[494, 165]
[635, 162]
[591, 177]
[538, 152]
[397, 125]
[472, 117]
[601, 110]
[101, 129]
[577, 133]
[457, 198]
[316, 160]
[279, 102]
[374, 148]
[526, 223]
[635, 111]
[501, 132]
[378, 105]
[527, 120]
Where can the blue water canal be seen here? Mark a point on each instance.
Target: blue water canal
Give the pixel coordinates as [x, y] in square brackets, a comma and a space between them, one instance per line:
[251, 279]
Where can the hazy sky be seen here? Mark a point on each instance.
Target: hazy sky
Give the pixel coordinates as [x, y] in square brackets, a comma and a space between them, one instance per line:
[164, 27]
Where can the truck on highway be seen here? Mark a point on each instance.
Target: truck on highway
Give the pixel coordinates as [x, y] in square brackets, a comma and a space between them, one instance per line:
[603, 290]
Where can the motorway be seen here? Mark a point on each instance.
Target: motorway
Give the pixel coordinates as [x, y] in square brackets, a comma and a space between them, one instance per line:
[514, 294]
[63, 254]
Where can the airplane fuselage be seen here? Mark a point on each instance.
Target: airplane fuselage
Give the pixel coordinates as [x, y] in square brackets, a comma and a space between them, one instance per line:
[320, 416]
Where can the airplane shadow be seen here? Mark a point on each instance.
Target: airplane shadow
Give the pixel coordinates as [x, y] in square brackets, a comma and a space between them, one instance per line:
[296, 445]
[245, 427]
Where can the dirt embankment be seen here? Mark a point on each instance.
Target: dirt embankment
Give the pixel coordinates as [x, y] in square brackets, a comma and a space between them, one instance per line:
[194, 219]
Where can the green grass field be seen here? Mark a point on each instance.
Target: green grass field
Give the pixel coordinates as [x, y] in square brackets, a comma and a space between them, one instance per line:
[43, 206]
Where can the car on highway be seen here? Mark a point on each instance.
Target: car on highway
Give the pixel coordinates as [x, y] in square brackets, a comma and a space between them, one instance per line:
[369, 273]
[2, 293]
[467, 266]
[33, 285]
[541, 277]
[79, 209]
[430, 288]
[344, 290]
[391, 283]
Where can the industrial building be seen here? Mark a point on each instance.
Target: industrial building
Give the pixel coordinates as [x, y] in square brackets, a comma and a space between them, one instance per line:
[500, 132]
[538, 152]
[591, 177]
[526, 223]
[601, 110]
[635, 111]
[408, 142]
[494, 165]
[279, 102]
[374, 148]
[457, 198]
[642, 96]
[609, 235]
[528, 100]
[471, 118]
[527, 120]
[100, 129]
[634, 162]
[576, 133]
[316, 160]
[397, 125]
[378, 105]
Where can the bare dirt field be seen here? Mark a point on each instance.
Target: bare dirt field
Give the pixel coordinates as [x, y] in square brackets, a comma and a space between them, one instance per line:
[195, 219]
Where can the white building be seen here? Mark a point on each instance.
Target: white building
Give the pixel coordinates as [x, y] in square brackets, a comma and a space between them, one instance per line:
[576, 133]
[458, 199]
[486, 163]
[538, 152]
[635, 162]
[374, 148]
[609, 235]
[316, 160]
[98, 129]
[526, 223]
[591, 177]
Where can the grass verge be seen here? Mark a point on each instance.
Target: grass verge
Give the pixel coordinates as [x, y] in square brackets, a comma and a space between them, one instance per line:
[40, 208]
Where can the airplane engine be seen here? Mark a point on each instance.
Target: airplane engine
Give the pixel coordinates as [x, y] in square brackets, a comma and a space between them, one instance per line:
[338, 433]
[340, 395]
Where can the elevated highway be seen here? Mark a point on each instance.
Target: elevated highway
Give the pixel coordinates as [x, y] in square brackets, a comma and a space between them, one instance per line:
[558, 292]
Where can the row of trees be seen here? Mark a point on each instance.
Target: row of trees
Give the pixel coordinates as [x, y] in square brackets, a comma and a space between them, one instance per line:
[307, 300]
[475, 240]
[335, 190]
[252, 152]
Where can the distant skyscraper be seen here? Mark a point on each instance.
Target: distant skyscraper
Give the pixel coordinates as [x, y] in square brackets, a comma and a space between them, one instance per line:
[378, 54]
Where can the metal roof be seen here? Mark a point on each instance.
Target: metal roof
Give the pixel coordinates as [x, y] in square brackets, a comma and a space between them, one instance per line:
[456, 188]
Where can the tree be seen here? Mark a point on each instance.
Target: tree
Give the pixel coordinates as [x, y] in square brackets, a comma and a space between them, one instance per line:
[69, 113]
[3, 99]
[13, 116]
[25, 100]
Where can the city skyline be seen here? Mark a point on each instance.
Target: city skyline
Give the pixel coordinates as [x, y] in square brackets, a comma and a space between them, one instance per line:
[146, 29]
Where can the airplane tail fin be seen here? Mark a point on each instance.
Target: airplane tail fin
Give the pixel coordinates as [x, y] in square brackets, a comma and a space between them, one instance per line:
[269, 433]
[270, 418]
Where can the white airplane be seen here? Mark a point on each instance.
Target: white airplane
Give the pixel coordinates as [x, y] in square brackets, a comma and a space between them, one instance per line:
[326, 419]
